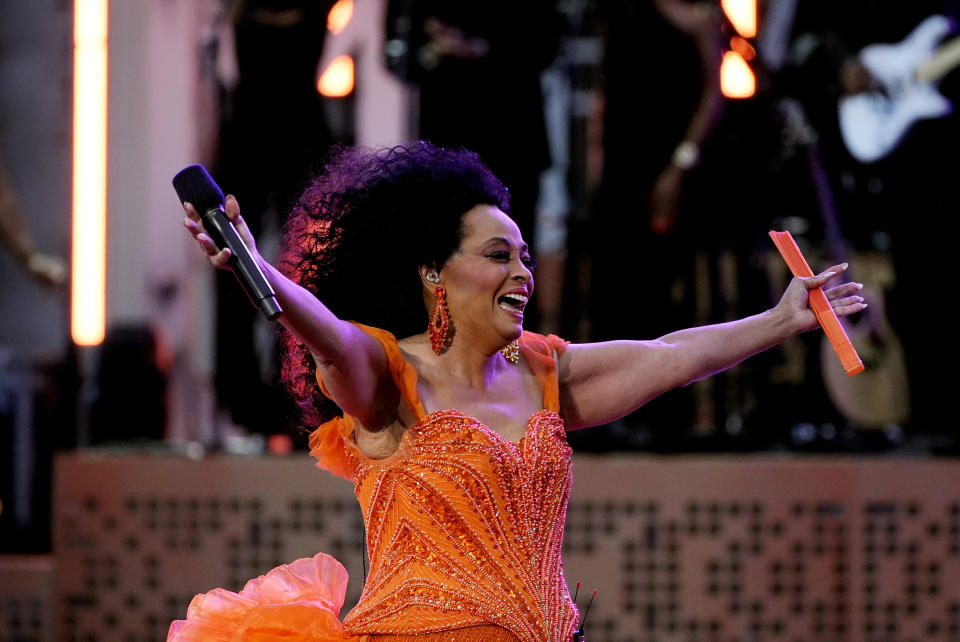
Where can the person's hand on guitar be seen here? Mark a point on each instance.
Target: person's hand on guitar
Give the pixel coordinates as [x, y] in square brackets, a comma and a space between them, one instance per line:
[890, 87]
[855, 78]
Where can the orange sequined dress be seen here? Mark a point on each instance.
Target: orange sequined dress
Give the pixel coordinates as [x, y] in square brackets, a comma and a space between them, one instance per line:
[464, 534]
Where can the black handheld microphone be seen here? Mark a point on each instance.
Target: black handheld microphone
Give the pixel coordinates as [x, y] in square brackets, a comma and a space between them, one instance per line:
[194, 185]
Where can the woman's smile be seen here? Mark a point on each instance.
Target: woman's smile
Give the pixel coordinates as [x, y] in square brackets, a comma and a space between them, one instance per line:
[514, 302]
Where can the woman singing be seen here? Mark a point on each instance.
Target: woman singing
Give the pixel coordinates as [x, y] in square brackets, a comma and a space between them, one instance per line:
[404, 290]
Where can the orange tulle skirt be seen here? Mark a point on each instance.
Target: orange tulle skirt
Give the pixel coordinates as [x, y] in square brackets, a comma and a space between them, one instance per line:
[296, 602]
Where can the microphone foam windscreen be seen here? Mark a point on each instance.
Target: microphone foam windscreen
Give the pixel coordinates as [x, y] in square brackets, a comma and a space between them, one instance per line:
[194, 185]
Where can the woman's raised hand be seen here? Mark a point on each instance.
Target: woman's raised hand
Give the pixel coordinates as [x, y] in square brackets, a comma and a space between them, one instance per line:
[218, 257]
[843, 298]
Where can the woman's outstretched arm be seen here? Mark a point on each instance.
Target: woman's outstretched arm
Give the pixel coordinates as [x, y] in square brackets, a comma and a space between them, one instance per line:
[353, 363]
[601, 382]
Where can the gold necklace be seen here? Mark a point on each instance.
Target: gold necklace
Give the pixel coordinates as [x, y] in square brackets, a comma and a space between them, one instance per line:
[511, 351]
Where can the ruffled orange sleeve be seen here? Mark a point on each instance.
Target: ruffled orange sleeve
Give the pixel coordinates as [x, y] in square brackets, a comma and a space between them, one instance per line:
[330, 442]
[541, 352]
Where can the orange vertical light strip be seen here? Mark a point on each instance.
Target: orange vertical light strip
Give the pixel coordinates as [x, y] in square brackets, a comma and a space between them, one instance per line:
[88, 270]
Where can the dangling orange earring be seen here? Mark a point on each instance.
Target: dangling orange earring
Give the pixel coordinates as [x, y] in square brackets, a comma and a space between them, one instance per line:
[439, 322]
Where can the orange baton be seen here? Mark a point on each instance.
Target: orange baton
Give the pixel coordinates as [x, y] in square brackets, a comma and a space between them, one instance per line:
[819, 304]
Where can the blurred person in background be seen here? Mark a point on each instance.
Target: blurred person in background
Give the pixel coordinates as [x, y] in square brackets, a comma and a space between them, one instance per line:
[477, 67]
[899, 206]
[273, 132]
[46, 269]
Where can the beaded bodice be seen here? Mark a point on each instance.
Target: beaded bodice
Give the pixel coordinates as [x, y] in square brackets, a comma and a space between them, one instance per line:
[464, 528]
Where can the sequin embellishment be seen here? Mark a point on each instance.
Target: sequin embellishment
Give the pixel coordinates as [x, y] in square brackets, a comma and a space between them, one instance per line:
[465, 528]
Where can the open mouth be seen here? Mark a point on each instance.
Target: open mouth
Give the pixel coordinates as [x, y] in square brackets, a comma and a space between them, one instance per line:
[513, 302]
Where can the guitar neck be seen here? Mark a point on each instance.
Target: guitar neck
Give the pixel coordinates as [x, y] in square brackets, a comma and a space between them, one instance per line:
[940, 64]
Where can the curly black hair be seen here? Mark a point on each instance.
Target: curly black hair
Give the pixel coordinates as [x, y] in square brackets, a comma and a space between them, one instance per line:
[360, 232]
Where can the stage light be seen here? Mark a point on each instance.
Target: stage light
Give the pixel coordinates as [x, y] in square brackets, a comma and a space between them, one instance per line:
[337, 79]
[89, 210]
[736, 77]
[742, 15]
[339, 16]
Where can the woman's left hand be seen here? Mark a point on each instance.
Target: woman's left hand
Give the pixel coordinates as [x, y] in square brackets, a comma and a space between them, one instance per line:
[794, 305]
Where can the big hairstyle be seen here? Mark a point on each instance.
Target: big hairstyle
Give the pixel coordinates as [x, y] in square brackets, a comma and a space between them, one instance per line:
[362, 229]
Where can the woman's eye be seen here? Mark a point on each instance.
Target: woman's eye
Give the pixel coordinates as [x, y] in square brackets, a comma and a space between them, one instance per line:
[504, 256]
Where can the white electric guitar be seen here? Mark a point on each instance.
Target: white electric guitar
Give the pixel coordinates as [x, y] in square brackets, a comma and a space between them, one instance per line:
[873, 124]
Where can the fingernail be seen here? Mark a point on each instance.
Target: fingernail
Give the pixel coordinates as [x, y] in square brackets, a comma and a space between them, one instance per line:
[859, 286]
[844, 265]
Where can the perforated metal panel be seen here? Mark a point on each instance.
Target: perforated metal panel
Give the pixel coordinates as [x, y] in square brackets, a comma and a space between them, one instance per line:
[27, 594]
[137, 537]
[680, 549]
[742, 549]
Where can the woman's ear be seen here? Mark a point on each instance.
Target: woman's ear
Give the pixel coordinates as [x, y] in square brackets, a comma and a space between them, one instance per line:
[430, 276]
